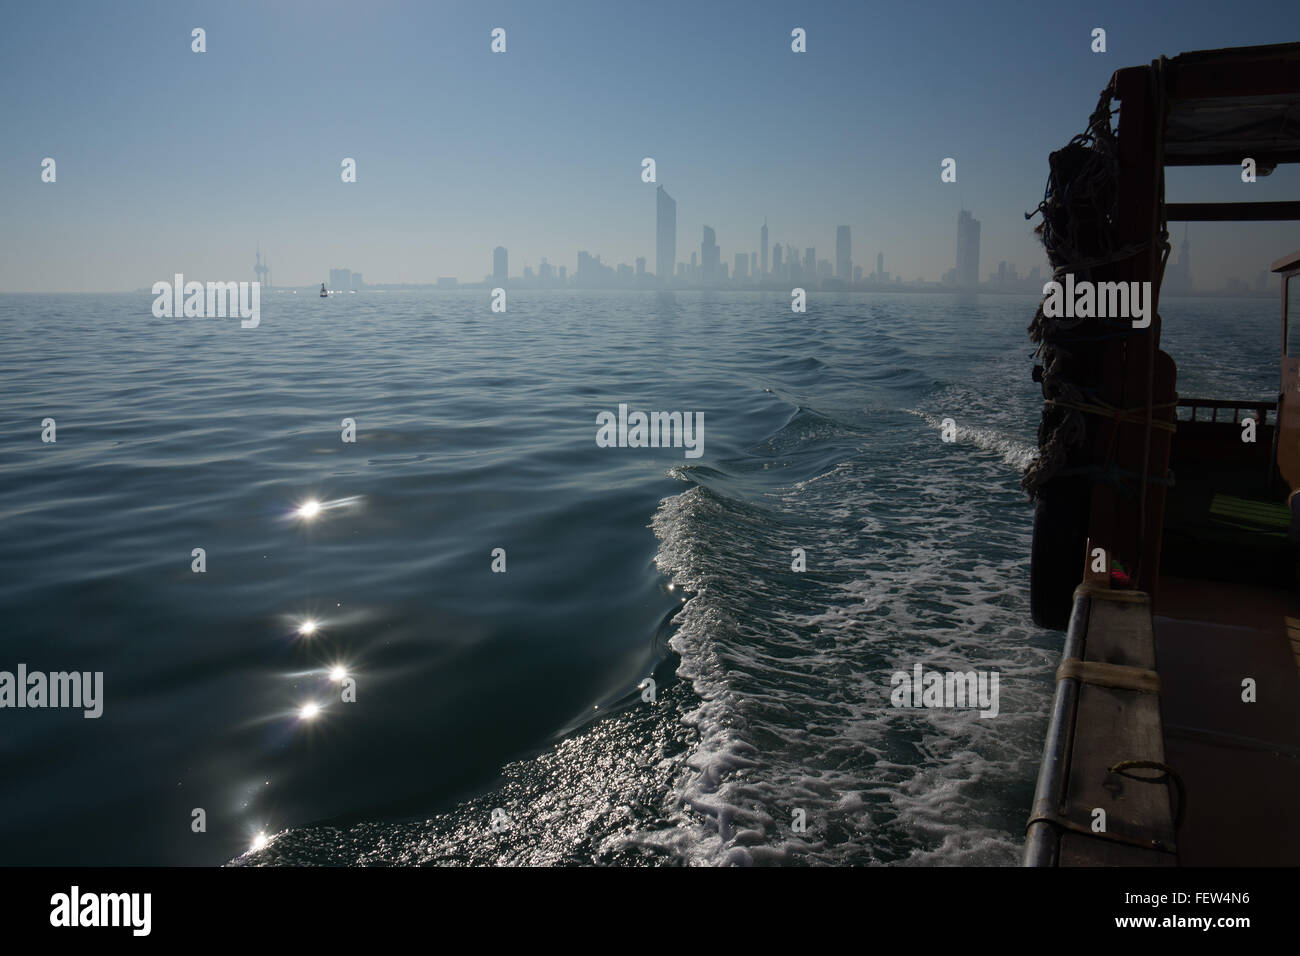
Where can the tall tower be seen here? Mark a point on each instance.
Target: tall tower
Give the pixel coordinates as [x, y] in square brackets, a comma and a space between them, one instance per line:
[500, 265]
[968, 250]
[1186, 262]
[710, 257]
[261, 270]
[665, 235]
[843, 254]
[763, 246]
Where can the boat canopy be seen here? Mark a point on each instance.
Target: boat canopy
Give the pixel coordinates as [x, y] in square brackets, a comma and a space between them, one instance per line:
[1287, 263]
[1223, 131]
[1226, 106]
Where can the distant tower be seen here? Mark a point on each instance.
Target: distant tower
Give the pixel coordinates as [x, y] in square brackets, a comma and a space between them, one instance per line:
[665, 235]
[710, 257]
[843, 254]
[968, 250]
[500, 265]
[763, 246]
[880, 267]
[261, 270]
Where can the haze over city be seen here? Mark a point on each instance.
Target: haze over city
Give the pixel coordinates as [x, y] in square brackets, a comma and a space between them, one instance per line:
[174, 161]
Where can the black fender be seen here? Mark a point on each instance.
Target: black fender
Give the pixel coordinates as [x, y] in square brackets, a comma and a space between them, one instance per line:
[1056, 558]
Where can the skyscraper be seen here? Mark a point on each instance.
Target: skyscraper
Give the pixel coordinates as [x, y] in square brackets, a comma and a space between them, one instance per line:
[709, 257]
[665, 235]
[1178, 275]
[880, 267]
[843, 254]
[763, 246]
[500, 265]
[262, 270]
[968, 250]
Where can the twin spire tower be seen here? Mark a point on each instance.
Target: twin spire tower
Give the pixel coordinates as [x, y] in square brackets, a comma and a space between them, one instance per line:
[262, 270]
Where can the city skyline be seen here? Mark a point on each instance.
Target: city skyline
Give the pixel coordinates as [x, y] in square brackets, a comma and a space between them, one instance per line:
[551, 136]
[815, 273]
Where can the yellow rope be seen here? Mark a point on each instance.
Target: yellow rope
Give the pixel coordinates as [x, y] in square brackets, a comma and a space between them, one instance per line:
[1130, 415]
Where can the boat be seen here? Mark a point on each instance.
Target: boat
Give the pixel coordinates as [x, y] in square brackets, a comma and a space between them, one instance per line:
[1166, 541]
[323, 293]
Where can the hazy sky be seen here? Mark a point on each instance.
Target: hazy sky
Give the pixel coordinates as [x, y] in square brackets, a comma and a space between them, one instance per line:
[172, 161]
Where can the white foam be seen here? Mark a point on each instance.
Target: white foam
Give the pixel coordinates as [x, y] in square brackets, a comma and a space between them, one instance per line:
[1016, 453]
[794, 681]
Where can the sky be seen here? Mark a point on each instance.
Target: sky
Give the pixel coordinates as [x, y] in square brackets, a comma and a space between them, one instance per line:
[173, 161]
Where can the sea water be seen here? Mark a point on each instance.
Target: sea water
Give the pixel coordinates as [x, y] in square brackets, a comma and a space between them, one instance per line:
[648, 680]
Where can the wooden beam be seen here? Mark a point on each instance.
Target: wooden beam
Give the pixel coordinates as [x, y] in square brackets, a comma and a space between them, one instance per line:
[1243, 71]
[1232, 211]
[1263, 159]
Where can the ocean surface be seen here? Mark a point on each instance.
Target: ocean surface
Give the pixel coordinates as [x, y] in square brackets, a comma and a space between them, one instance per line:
[502, 718]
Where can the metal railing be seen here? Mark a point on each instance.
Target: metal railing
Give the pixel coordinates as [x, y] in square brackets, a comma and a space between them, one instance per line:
[1259, 410]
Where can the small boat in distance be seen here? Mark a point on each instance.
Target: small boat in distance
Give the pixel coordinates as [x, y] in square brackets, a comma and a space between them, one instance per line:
[323, 293]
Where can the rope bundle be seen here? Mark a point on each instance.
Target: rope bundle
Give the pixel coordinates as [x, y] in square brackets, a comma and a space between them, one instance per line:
[1079, 211]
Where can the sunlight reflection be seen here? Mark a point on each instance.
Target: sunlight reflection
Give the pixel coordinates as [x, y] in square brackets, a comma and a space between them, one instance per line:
[312, 508]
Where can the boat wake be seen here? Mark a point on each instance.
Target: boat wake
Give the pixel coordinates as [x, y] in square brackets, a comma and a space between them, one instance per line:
[1016, 453]
[827, 556]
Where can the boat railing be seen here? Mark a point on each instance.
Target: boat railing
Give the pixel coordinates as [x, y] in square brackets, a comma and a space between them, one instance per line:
[1259, 410]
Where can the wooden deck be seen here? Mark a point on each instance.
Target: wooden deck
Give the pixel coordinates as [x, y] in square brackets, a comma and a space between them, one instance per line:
[1240, 761]
[1106, 712]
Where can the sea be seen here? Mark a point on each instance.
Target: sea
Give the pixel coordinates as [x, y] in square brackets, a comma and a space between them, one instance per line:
[475, 635]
